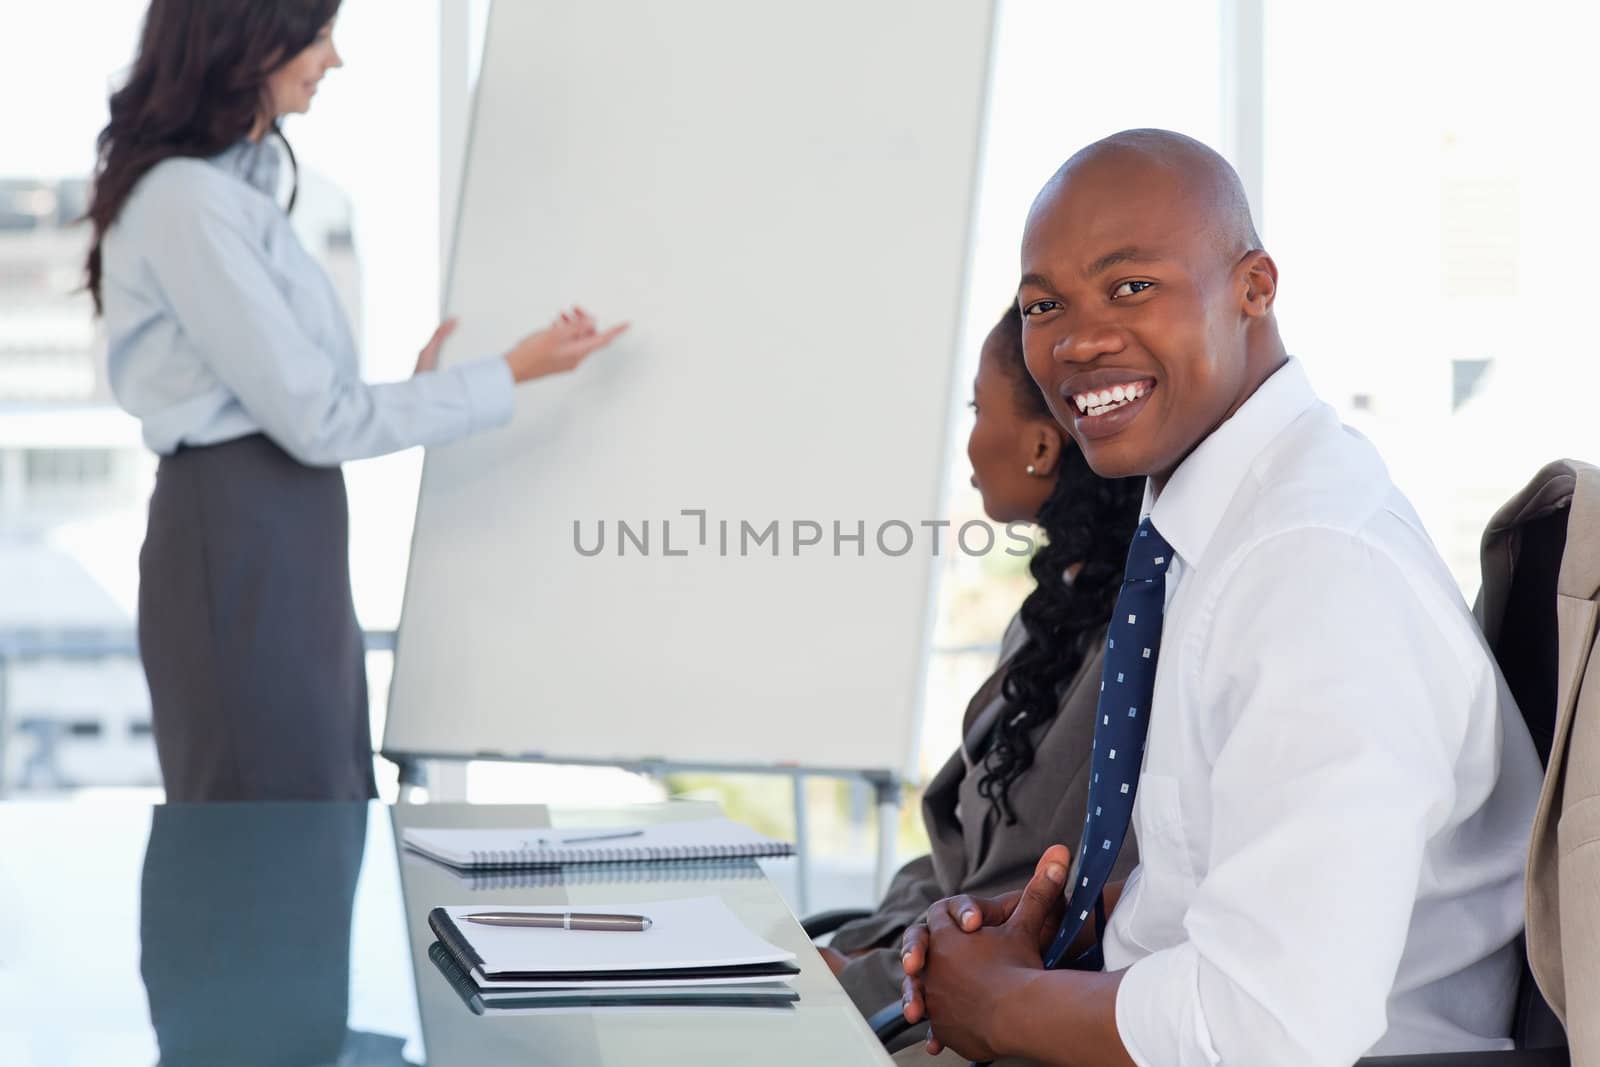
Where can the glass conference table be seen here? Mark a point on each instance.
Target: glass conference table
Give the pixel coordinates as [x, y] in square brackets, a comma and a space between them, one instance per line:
[295, 935]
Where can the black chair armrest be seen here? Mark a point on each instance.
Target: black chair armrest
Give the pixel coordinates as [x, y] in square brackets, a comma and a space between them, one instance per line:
[826, 922]
[1522, 1057]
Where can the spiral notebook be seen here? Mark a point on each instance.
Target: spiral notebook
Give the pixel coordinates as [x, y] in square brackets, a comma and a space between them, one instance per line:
[698, 839]
[582, 874]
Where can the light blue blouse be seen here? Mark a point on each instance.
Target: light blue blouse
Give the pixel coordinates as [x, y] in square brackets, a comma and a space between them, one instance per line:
[220, 324]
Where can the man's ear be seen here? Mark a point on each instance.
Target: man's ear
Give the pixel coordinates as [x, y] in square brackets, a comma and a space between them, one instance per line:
[1043, 441]
[1259, 279]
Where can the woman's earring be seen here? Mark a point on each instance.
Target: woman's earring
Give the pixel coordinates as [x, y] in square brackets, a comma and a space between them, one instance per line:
[1030, 468]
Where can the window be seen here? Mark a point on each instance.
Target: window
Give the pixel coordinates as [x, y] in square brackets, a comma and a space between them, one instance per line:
[1431, 207]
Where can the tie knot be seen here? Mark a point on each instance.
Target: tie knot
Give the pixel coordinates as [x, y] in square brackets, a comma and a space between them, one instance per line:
[1149, 556]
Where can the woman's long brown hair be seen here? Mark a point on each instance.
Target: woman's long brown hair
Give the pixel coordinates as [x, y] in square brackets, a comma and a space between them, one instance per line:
[197, 86]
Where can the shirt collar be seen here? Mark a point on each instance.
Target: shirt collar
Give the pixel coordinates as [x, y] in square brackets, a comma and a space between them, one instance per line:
[1189, 509]
[254, 162]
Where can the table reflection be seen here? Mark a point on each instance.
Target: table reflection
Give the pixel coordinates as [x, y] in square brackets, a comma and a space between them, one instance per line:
[245, 935]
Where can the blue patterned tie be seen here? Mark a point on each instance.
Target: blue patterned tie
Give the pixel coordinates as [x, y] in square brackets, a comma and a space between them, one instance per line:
[1133, 643]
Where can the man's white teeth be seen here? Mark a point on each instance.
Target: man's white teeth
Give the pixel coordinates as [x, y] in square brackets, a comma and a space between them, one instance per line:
[1109, 399]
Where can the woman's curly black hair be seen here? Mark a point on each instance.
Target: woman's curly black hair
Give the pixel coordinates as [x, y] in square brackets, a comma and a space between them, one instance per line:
[1087, 520]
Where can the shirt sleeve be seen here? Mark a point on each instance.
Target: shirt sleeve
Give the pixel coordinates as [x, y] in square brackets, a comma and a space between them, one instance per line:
[1335, 708]
[214, 277]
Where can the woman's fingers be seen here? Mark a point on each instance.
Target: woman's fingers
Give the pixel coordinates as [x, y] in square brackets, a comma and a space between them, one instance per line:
[428, 358]
[837, 961]
[577, 318]
[603, 339]
[569, 339]
[579, 348]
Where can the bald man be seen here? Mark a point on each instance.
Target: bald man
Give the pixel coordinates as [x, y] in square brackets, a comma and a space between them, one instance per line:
[1331, 786]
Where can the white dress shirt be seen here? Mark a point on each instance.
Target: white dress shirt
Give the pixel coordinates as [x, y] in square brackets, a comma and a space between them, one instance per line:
[219, 324]
[1338, 787]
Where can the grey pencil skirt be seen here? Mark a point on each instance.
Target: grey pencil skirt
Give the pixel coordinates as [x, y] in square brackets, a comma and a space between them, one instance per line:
[247, 629]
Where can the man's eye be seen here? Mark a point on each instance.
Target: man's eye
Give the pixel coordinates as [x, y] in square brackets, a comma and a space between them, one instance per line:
[973, 404]
[1130, 289]
[1039, 307]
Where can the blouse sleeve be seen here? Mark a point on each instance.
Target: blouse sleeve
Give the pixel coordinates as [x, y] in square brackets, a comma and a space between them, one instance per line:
[214, 278]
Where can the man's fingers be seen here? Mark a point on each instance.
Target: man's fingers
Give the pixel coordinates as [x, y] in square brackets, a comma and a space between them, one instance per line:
[911, 1005]
[914, 948]
[970, 913]
[1043, 893]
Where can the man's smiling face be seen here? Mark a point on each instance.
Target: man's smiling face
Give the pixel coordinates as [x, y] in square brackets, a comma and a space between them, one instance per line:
[1136, 295]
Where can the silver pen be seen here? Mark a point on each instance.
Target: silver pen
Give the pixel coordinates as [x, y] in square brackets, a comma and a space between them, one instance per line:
[560, 920]
[547, 841]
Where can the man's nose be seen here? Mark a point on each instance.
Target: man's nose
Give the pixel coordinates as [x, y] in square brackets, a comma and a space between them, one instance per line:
[1088, 342]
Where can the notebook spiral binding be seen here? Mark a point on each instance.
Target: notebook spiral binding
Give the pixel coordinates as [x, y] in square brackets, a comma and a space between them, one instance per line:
[600, 873]
[460, 949]
[526, 857]
[459, 981]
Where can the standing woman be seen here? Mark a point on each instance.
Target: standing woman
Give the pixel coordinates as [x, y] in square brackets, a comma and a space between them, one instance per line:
[227, 342]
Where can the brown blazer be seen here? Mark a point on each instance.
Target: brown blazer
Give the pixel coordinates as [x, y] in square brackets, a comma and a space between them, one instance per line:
[973, 850]
[1563, 877]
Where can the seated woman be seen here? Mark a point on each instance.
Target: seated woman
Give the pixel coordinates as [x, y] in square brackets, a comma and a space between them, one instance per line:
[1019, 782]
